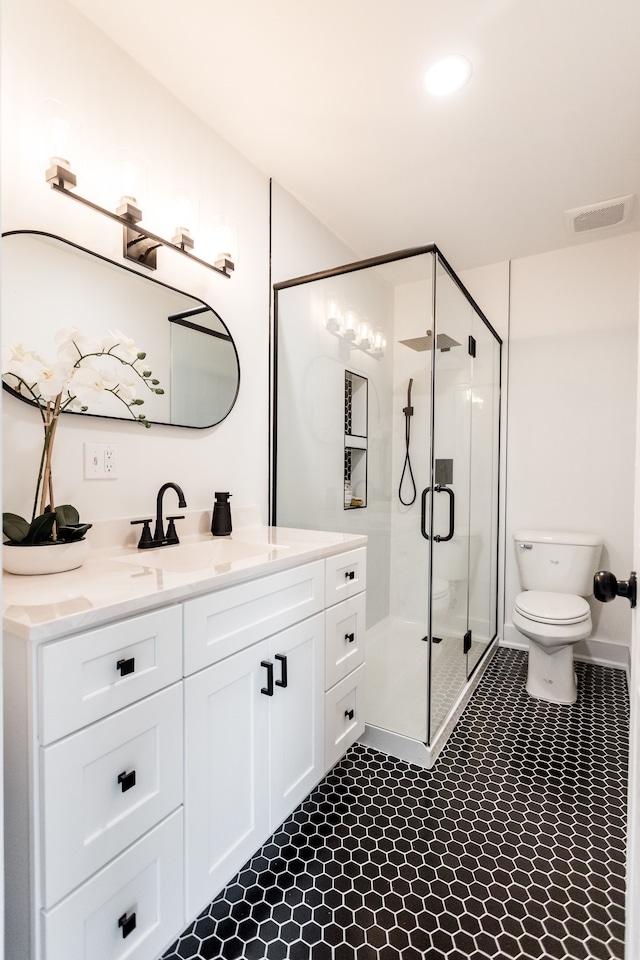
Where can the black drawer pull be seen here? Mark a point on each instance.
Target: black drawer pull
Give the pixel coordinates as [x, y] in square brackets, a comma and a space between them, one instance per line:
[282, 682]
[126, 666]
[128, 924]
[350, 575]
[349, 637]
[349, 714]
[268, 690]
[127, 780]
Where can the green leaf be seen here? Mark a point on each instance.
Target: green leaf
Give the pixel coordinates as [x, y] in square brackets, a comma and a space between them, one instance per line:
[66, 515]
[159, 390]
[40, 529]
[14, 527]
[73, 531]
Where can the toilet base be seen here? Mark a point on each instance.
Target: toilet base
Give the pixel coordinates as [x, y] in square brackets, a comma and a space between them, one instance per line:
[550, 674]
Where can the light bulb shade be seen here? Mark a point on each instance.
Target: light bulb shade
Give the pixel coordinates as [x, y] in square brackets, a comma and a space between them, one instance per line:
[61, 141]
[349, 325]
[225, 239]
[129, 178]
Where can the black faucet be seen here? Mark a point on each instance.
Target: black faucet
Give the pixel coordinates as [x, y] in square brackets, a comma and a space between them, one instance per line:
[159, 538]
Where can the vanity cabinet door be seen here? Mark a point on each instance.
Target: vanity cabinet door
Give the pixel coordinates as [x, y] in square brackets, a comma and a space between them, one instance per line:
[227, 771]
[297, 715]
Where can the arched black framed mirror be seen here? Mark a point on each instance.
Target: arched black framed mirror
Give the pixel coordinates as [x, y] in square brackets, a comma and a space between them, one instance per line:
[51, 284]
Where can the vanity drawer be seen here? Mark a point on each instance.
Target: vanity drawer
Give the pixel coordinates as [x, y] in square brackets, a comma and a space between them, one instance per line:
[105, 786]
[344, 716]
[145, 881]
[88, 676]
[225, 622]
[345, 630]
[346, 575]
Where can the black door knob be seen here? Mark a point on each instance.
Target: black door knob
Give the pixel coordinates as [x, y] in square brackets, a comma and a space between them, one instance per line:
[606, 587]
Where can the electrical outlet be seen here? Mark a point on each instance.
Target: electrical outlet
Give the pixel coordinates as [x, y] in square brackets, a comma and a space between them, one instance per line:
[100, 461]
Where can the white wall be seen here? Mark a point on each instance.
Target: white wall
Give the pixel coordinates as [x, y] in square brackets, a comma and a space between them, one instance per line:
[571, 413]
[50, 51]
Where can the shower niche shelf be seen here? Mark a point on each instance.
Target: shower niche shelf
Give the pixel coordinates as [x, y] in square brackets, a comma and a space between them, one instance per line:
[356, 409]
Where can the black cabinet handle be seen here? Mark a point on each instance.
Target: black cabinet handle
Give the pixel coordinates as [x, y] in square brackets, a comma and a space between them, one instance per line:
[606, 587]
[127, 780]
[350, 575]
[349, 714]
[126, 666]
[349, 637]
[127, 924]
[282, 682]
[268, 690]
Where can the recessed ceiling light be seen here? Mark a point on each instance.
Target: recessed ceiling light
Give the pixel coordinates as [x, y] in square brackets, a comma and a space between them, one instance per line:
[447, 75]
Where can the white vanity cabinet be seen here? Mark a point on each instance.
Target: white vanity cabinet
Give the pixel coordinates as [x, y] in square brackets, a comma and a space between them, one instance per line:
[93, 769]
[148, 758]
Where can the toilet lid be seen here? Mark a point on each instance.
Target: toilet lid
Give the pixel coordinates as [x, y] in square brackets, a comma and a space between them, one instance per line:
[552, 607]
[439, 588]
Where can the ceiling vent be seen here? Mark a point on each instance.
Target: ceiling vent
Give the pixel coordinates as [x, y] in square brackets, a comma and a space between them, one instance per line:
[597, 216]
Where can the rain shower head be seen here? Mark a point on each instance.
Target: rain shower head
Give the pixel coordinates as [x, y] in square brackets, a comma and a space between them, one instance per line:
[443, 342]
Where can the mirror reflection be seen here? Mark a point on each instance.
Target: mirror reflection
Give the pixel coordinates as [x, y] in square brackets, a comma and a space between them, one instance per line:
[51, 284]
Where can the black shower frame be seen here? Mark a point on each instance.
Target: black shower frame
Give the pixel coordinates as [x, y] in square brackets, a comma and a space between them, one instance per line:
[353, 267]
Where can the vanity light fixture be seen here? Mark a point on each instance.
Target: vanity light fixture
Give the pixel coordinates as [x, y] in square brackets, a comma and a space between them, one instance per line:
[140, 244]
[357, 336]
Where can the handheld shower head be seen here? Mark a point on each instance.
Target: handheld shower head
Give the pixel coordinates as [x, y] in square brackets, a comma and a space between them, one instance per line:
[408, 410]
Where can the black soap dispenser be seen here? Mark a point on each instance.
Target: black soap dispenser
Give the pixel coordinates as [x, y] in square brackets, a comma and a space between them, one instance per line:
[221, 523]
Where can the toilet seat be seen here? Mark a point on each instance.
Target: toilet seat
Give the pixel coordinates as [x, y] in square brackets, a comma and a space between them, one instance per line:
[553, 608]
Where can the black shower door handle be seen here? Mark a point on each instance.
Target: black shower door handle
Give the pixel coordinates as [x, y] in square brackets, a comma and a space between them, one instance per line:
[423, 513]
[452, 512]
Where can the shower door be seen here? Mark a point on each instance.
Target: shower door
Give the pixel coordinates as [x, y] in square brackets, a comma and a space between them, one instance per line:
[450, 542]
[465, 452]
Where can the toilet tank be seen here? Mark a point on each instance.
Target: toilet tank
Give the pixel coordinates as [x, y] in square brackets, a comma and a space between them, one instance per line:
[557, 562]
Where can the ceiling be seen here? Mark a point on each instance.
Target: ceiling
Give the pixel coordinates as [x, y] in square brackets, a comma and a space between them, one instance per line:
[327, 98]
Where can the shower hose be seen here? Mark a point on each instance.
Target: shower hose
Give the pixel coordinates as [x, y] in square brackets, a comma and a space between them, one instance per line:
[408, 413]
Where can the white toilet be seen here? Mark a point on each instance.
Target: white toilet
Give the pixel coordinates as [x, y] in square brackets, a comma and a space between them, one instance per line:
[556, 574]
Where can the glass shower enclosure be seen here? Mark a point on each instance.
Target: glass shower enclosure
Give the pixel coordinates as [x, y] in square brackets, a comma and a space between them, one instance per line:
[386, 422]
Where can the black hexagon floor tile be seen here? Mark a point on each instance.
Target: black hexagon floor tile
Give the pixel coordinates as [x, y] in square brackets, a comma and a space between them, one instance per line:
[512, 846]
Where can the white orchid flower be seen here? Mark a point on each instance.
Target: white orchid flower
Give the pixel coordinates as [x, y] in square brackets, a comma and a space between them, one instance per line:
[118, 344]
[126, 388]
[22, 363]
[91, 384]
[73, 343]
[53, 380]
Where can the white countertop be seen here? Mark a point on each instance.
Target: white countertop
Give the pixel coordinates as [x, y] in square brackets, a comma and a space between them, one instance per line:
[120, 582]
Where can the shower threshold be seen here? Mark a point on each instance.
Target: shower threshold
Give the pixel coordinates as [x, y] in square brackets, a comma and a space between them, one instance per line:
[414, 749]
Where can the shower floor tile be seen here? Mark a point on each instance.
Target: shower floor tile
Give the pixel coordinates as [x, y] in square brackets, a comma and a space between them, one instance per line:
[512, 846]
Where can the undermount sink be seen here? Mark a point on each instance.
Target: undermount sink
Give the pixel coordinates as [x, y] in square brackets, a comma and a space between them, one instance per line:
[214, 555]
